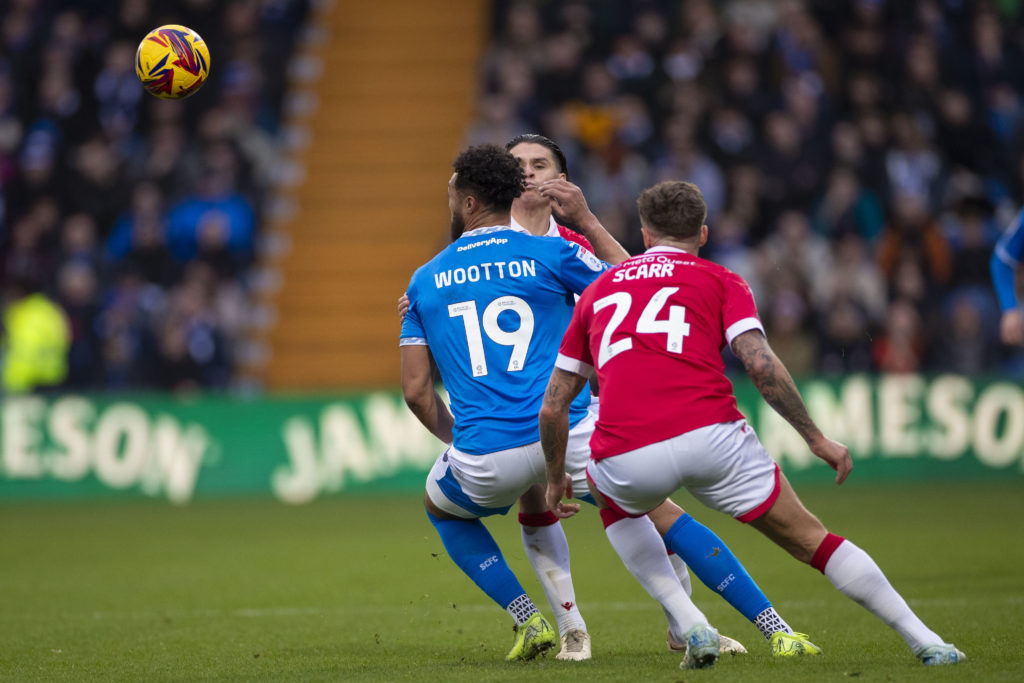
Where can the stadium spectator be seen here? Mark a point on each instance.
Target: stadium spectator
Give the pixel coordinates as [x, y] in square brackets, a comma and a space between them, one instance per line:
[853, 274]
[792, 249]
[902, 345]
[77, 295]
[117, 91]
[970, 342]
[785, 118]
[846, 206]
[792, 330]
[730, 246]
[843, 346]
[915, 258]
[683, 158]
[191, 347]
[127, 327]
[35, 335]
[139, 237]
[217, 223]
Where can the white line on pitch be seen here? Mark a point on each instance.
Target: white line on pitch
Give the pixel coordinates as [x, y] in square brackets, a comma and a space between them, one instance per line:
[433, 605]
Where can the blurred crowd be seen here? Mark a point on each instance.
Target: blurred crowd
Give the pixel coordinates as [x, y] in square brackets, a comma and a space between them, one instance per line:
[859, 158]
[135, 216]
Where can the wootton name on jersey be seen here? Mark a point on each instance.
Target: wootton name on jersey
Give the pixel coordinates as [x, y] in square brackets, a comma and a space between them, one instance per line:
[459, 276]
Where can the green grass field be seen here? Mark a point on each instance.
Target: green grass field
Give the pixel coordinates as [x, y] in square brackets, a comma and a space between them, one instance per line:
[360, 589]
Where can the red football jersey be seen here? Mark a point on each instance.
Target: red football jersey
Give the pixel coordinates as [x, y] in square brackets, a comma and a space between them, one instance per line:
[573, 236]
[654, 327]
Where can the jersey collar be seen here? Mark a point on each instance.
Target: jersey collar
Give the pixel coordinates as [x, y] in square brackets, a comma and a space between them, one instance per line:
[476, 232]
[552, 227]
[662, 248]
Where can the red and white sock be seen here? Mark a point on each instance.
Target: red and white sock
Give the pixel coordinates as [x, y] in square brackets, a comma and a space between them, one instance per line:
[855, 575]
[642, 550]
[547, 549]
[682, 573]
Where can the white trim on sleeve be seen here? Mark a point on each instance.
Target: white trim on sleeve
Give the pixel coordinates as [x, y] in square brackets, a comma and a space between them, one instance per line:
[577, 367]
[413, 341]
[741, 326]
[1005, 256]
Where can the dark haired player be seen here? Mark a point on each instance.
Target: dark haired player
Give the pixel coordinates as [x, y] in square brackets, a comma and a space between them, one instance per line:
[489, 310]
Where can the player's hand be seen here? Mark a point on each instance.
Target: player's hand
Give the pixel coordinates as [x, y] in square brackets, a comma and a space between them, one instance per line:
[557, 490]
[403, 306]
[567, 200]
[1011, 327]
[835, 454]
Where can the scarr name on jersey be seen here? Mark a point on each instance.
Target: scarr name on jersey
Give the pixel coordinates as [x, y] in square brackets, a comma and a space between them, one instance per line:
[497, 270]
[644, 270]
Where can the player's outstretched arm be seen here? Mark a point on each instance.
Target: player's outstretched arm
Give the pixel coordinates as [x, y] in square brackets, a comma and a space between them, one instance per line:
[420, 395]
[563, 387]
[569, 204]
[775, 383]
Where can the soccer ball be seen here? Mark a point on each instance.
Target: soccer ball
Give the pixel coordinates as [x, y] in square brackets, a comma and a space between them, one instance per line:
[172, 62]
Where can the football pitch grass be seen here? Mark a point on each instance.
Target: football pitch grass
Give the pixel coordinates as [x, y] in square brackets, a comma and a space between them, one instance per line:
[359, 588]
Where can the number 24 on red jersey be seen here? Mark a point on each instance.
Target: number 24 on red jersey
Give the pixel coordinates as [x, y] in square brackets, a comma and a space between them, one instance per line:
[675, 328]
[654, 328]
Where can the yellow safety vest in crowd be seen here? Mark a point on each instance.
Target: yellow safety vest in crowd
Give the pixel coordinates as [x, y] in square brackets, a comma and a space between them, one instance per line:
[36, 344]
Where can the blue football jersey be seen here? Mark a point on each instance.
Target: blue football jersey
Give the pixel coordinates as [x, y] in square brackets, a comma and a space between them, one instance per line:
[493, 307]
[1006, 258]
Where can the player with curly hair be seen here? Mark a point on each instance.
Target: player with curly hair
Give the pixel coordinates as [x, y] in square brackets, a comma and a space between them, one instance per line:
[489, 310]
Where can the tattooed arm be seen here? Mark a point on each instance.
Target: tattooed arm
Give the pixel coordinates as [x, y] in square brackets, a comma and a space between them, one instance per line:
[563, 387]
[774, 382]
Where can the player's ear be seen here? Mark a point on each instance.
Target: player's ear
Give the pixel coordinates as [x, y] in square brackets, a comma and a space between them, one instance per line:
[646, 235]
[703, 236]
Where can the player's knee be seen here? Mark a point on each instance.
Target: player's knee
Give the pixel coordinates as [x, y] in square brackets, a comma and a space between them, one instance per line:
[665, 516]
